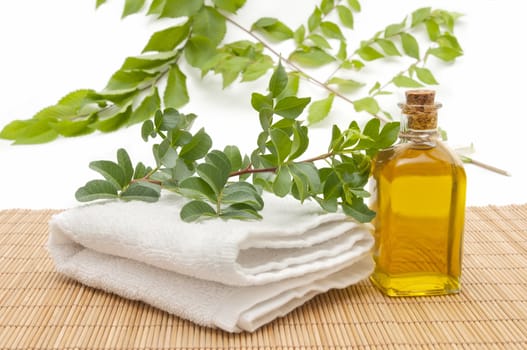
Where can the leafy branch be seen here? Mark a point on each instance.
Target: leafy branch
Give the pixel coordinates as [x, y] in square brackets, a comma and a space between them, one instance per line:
[186, 164]
[134, 92]
[150, 88]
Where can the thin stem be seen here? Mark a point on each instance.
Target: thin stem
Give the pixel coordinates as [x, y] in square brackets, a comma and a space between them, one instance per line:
[485, 166]
[147, 177]
[249, 170]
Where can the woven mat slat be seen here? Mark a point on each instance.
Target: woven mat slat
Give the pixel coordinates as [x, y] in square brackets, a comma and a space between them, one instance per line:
[40, 309]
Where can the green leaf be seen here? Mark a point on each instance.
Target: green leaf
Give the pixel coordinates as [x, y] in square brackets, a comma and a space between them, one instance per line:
[242, 192]
[199, 50]
[368, 104]
[167, 39]
[55, 112]
[260, 102]
[300, 141]
[332, 186]
[319, 110]
[449, 40]
[96, 189]
[118, 97]
[388, 135]
[213, 176]
[140, 171]
[346, 85]
[99, 3]
[70, 128]
[278, 80]
[234, 155]
[345, 16]
[291, 107]
[231, 67]
[351, 135]
[229, 5]
[111, 171]
[353, 64]
[388, 47]
[355, 5]
[180, 8]
[167, 154]
[196, 188]
[309, 174]
[30, 131]
[410, 45]
[336, 139]
[220, 161]
[359, 211]
[170, 119]
[299, 34]
[146, 109]
[394, 29]
[404, 81]
[176, 93]
[342, 54]
[198, 146]
[131, 7]
[420, 15]
[327, 6]
[445, 53]
[147, 130]
[240, 212]
[123, 160]
[319, 41]
[142, 191]
[292, 85]
[314, 19]
[156, 7]
[125, 79]
[330, 205]
[331, 30]
[312, 57]
[75, 99]
[432, 29]
[114, 122]
[193, 210]
[272, 29]
[258, 68]
[209, 23]
[368, 53]
[371, 129]
[281, 143]
[282, 182]
[426, 76]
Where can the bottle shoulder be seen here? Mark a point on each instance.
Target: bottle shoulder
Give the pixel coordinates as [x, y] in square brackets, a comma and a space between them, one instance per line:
[420, 159]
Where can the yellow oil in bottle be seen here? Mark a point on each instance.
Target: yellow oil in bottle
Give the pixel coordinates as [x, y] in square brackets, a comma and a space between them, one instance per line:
[419, 197]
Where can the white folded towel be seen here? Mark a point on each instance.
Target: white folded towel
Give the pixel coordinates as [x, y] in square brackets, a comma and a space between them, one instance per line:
[235, 275]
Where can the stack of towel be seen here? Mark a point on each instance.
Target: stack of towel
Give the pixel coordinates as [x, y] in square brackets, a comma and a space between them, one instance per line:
[234, 275]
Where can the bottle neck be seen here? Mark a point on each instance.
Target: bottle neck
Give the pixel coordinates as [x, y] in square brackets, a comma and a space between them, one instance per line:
[426, 138]
[419, 124]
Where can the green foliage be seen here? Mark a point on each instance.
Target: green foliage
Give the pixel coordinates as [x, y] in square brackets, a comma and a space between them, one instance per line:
[148, 88]
[137, 90]
[120, 181]
[216, 181]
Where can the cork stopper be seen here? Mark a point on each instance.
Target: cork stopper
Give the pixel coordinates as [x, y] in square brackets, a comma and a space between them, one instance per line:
[420, 109]
[420, 97]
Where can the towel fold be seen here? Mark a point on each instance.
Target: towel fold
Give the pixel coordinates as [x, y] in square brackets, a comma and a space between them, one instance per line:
[229, 274]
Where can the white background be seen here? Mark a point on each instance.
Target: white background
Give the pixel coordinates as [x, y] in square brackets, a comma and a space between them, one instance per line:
[49, 48]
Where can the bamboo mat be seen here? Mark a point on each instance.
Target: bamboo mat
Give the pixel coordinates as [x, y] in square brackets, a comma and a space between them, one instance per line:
[40, 309]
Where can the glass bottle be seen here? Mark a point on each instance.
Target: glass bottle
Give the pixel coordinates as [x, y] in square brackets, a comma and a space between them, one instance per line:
[419, 195]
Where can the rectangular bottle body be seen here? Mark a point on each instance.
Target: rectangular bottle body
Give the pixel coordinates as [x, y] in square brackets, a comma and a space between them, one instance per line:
[420, 203]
